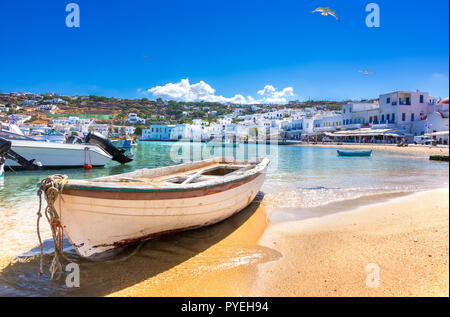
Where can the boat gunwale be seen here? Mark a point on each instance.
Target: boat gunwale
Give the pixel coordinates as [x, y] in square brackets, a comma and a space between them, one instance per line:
[86, 184]
[61, 146]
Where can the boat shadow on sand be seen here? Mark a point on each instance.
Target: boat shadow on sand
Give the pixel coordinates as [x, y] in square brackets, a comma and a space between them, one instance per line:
[134, 264]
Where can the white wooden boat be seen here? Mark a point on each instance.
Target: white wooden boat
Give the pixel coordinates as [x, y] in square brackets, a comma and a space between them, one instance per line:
[102, 214]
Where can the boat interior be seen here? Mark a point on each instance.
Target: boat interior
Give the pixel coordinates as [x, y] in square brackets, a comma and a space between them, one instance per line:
[184, 174]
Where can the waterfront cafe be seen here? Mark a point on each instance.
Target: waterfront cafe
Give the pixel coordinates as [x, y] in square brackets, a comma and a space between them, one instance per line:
[369, 135]
[440, 137]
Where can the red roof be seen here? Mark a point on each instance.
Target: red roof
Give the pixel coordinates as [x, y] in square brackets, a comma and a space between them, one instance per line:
[443, 101]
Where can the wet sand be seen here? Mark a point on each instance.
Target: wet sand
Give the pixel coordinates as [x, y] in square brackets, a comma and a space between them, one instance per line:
[210, 261]
[406, 238]
[226, 268]
[416, 150]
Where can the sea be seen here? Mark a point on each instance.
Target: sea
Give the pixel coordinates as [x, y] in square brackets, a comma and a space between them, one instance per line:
[301, 182]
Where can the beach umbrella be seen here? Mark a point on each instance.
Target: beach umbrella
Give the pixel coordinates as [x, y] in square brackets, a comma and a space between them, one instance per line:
[443, 101]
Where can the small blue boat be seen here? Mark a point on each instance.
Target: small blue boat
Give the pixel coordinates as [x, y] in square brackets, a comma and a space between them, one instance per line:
[354, 152]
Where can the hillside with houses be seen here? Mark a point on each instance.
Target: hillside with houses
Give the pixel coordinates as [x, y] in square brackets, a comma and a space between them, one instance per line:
[393, 116]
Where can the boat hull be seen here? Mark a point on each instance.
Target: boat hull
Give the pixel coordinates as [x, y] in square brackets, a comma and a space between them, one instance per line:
[53, 155]
[354, 153]
[97, 222]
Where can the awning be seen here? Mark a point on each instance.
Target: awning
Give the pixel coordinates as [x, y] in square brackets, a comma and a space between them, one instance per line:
[440, 133]
[364, 132]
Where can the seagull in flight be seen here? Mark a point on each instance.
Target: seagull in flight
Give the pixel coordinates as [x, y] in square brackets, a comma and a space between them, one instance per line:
[365, 72]
[327, 11]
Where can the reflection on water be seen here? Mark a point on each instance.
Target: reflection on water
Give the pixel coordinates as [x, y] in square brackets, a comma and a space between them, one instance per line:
[301, 182]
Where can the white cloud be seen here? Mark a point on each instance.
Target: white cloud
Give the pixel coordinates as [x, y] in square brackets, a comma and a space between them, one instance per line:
[186, 91]
[439, 76]
[268, 89]
[272, 95]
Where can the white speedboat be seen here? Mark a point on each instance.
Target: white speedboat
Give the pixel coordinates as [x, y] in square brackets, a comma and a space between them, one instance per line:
[60, 155]
[55, 155]
[7, 153]
[102, 214]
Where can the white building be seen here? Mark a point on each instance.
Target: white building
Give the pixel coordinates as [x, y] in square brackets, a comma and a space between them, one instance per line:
[30, 102]
[4, 108]
[403, 108]
[57, 101]
[125, 130]
[159, 132]
[134, 119]
[357, 115]
[50, 108]
[100, 128]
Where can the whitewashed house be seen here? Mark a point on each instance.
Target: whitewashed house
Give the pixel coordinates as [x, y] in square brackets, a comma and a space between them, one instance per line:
[161, 132]
[134, 119]
[50, 108]
[357, 115]
[403, 108]
[30, 102]
[99, 128]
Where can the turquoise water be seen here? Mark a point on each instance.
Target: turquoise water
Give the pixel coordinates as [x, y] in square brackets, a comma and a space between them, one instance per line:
[301, 182]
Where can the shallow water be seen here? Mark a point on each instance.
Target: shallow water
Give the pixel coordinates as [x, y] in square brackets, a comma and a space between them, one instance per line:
[301, 182]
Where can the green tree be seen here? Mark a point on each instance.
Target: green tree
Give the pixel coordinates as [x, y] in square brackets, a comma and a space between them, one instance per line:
[253, 132]
[139, 128]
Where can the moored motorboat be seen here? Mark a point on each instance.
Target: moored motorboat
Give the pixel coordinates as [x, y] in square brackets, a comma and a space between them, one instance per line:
[7, 153]
[102, 214]
[94, 150]
[354, 152]
[54, 155]
[60, 155]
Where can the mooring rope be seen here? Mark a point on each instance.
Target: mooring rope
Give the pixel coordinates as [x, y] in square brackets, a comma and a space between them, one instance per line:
[52, 188]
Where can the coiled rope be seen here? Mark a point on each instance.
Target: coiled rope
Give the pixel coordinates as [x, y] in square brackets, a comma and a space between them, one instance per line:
[52, 188]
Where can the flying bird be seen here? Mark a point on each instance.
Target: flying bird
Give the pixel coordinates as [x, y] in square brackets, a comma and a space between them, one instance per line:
[146, 57]
[327, 11]
[365, 72]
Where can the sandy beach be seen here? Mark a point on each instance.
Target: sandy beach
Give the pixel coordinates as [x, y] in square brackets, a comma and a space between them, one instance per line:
[416, 150]
[405, 238]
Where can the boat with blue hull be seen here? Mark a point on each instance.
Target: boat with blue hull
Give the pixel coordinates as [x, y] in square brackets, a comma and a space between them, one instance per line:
[354, 152]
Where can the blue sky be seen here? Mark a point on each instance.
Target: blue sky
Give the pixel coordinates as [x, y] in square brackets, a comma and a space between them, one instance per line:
[235, 47]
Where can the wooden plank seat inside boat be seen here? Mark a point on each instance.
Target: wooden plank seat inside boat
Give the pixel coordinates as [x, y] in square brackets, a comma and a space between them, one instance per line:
[211, 172]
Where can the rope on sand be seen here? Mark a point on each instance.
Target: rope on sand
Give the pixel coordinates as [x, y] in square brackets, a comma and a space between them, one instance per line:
[52, 188]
